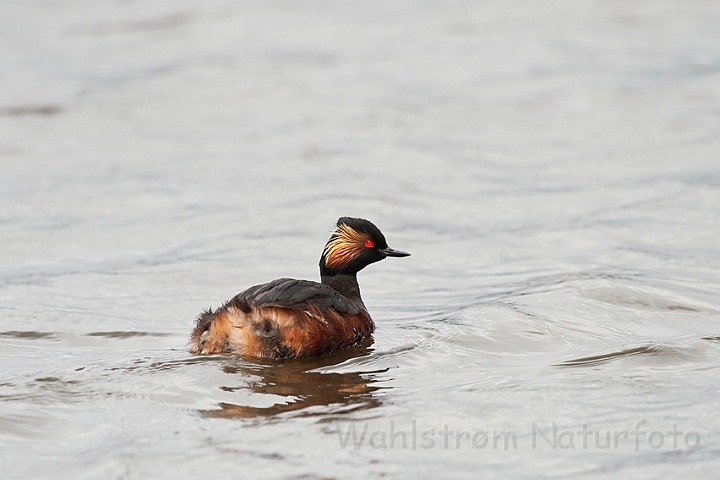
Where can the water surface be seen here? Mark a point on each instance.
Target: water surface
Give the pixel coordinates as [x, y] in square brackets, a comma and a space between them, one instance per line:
[554, 170]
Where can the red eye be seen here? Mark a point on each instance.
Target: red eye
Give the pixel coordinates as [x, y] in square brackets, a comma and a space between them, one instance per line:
[369, 244]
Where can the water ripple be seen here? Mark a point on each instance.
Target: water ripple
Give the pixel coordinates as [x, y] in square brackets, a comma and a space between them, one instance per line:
[662, 351]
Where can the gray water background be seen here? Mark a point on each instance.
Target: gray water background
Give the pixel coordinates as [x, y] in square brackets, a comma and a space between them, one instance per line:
[554, 168]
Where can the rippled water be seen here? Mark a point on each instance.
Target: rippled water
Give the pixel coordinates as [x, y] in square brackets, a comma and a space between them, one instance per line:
[554, 168]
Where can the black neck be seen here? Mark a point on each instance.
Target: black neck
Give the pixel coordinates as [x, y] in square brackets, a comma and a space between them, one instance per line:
[346, 284]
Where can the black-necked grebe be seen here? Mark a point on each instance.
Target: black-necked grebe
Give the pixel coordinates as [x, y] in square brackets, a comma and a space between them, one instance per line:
[289, 318]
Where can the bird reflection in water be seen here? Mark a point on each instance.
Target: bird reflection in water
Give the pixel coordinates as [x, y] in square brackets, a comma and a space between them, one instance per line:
[305, 385]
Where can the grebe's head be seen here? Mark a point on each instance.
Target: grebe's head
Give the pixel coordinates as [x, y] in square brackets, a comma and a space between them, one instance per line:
[355, 244]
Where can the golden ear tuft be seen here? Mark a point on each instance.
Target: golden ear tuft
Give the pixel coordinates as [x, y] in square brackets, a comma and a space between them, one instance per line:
[343, 247]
